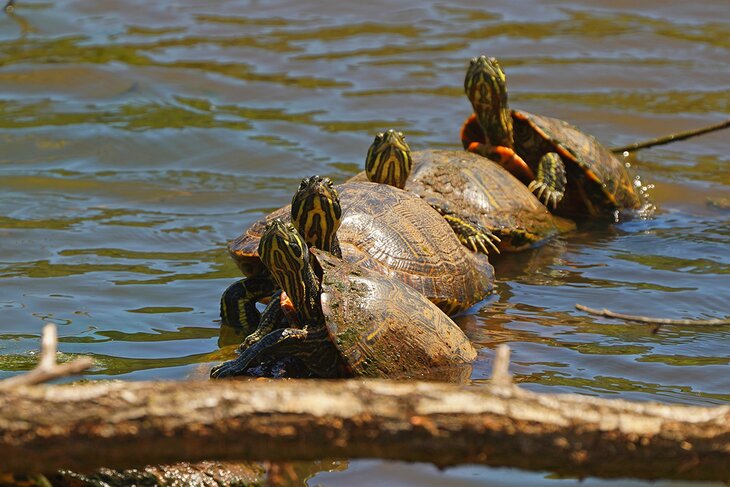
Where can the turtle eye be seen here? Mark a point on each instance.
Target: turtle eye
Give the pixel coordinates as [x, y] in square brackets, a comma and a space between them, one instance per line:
[400, 134]
[297, 249]
[304, 183]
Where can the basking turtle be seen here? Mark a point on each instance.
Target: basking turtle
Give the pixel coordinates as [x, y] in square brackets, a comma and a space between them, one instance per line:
[374, 226]
[474, 196]
[351, 320]
[568, 170]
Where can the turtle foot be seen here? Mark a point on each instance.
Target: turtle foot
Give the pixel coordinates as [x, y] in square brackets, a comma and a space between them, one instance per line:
[471, 234]
[547, 196]
[481, 242]
[229, 369]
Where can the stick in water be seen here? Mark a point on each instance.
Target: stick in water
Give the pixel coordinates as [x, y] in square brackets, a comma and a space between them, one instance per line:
[671, 138]
[47, 368]
[648, 319]
[500, 369]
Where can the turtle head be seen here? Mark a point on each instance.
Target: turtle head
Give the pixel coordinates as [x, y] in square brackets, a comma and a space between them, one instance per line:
[316, 212]
[485, 85]
[286, 255]
[389, 159]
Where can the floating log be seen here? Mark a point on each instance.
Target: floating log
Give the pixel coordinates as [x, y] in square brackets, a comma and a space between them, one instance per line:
[118, 425]
[123, 425]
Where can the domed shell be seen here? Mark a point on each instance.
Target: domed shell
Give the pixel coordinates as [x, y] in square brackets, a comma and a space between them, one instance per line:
[477, 189]
[383, 328]
[399, 235]
[597, 180]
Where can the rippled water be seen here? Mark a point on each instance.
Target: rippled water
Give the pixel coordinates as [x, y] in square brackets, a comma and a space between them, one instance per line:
[138, 137]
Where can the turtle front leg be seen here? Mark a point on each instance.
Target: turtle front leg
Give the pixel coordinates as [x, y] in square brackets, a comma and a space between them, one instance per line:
[471, 234]
[274, 317]
[278, 343]
[238, 302]
[549, 184]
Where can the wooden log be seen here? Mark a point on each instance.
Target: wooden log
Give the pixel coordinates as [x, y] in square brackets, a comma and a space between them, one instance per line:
[198, 474]
[130, 424]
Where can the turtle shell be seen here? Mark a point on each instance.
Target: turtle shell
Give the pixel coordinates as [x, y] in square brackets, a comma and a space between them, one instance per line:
[399, 235]
[484, 192]
[597, 181]
[383, 328]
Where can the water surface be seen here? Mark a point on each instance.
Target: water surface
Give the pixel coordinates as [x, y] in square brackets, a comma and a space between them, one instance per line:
[138, 137]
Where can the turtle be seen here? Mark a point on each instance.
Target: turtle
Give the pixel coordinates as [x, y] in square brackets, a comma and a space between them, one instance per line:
[352, 321]
[568, 170]
[374, 226]
[473, 196]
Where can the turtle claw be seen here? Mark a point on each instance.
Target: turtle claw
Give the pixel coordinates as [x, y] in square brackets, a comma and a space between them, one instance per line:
[545, 194]
[228, 369]
[482, 241]
[471, 234]
[554, 198]
[550, 181]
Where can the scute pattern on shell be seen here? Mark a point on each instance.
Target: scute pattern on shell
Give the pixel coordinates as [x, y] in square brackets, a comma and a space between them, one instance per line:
[596, 175]
[475, 188]
[399, 235]
[384, 328]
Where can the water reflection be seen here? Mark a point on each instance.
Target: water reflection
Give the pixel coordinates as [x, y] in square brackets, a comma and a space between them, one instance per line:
[139, 137]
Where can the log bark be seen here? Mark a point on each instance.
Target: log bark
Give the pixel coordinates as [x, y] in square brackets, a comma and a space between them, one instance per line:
[130, 424]
[213, 474]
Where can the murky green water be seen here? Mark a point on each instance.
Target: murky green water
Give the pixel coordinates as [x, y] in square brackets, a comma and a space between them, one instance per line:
[138, 137]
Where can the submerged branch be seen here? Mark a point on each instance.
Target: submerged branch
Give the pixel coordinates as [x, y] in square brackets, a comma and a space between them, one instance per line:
[47, 368]
[671, 138]
[651, 320]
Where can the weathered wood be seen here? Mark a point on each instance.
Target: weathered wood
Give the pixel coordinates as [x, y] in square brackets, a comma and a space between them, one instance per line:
[650, 319]
[666, 139]
[47, 368]
[120, 425]
[199, 474]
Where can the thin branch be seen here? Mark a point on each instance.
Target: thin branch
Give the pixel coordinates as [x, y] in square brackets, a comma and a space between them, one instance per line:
[651, 320]
[671, 138]
[500, 369]
[47, 368]
[10, 6]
